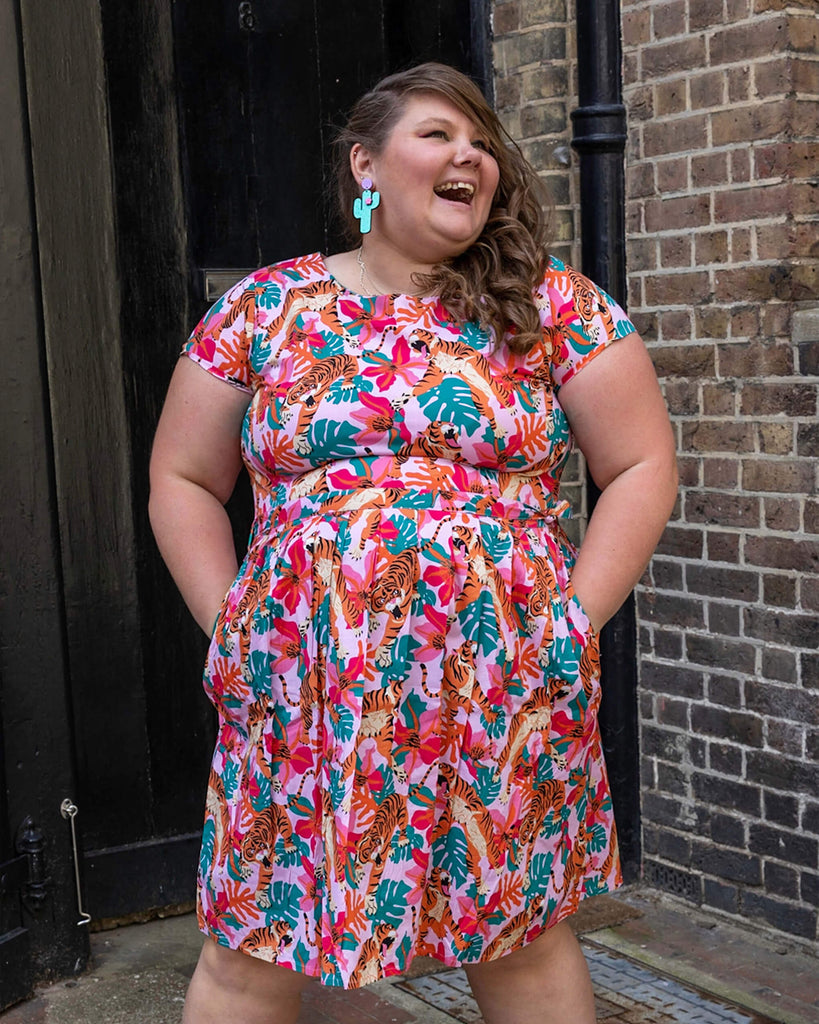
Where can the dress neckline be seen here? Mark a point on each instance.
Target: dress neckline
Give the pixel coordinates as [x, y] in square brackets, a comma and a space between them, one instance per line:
[372, 298]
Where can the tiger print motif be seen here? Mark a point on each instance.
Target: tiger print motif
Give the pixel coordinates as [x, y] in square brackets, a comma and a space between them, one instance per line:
[589, 302]
[547, 802]
[378, 722]
[328, 580]
[435, 907]
[368, 967]
[514, 933]
[307, 393]
[266, 943]
[236, 624]
[466, 808]
[391, 600]
[391, 817]
[534, 716]
[482, 576]
[259, 847]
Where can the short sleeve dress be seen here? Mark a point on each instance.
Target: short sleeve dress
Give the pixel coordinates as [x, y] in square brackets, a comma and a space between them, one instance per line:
[408, 758]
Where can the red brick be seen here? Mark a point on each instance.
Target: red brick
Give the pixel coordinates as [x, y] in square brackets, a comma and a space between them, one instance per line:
[775, 320]
[740, 162]
[761, 6]
[716, 508]
[810, 596]
[804, 33]
[778, 400]
[507, 92]
[743, 204]
[775, 438]
[683, 360]
[682, 289]
[676, 325]
[786, 160]
[711, 247]
[717, 436]
[667, 58]
[543, 12]
[641, 104]
[749, 123]
[675, 251]
[642, 254]
[505, 18]
[782, 241]
[682, 398]
[704, 14]
[672, 175]
[780, 475]
[709, 169]
[753, 39]
[688, 468]
[778, 590]
[741, 245]
[803, 76]
[804, 200]
[668, 19]
[739, 84]
[765, 282]
[723, 546]
[707, 89]
[681, 542]
[631, 69]
[636, 27]
[737, 10]
[782, 553]
[782, 514]
[682, 212]
[681, 135]
[711, 322]
[721, 474]
[719, 399]
[744, 321]
[755, 359]
[640, 180]
[669, 97]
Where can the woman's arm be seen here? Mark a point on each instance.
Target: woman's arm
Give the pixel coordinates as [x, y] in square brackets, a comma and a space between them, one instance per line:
[620, 423]
[194, 465]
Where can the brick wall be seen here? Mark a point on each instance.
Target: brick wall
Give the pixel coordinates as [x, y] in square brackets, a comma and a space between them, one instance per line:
[723, 245]
[722, 175]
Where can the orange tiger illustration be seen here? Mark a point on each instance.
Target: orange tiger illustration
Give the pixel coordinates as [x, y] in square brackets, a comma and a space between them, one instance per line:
[547, 802]
[588, 302]
[514, 932]
[236, 624]
[390, 817]
[534, 716]
[308, 392]
[216, 805]
[368, 968]
[259, 846]
[318, 297]
[345, 606]
[438, 441]
[265, 943]
[392, 599]
[482, 576]
[378, 721]
[436, 909]
[466, 808]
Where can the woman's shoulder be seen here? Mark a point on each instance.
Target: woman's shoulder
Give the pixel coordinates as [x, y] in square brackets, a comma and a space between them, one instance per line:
[286, 274]
[564, 295]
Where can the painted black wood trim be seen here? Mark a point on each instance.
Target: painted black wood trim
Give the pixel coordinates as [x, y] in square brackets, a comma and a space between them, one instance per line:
[35, 710]
[131, 879]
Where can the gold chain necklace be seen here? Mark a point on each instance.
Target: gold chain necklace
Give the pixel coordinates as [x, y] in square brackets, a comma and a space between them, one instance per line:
[365, 276]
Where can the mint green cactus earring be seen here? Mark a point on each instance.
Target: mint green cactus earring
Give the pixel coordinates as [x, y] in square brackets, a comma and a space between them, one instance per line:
[364, 205]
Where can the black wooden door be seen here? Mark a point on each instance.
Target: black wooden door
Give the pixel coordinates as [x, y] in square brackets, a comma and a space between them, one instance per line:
[220, 119]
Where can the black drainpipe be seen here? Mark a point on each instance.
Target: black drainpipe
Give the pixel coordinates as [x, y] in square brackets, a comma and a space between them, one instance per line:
[600, 139]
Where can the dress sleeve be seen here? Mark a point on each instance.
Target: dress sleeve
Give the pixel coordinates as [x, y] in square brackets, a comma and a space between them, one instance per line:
[579, 320]
[221, 341]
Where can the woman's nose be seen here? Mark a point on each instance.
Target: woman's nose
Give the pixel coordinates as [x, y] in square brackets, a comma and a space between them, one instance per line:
[468, 153]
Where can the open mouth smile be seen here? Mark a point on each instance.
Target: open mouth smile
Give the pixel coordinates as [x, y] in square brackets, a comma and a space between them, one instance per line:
[456, 191]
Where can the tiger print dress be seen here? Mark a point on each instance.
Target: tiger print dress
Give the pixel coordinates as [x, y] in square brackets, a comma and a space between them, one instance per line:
[408, 759]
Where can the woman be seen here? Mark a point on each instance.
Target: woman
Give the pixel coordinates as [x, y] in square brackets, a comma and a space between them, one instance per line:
[406, 665]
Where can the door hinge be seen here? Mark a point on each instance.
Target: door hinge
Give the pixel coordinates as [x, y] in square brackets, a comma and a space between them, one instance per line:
[26, 872]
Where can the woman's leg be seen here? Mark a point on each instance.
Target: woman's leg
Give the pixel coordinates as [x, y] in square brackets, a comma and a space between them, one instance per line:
[229, 987]
[546, 982]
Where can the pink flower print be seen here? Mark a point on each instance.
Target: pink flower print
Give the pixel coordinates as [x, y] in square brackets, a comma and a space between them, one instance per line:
[440, 577]
[433, 633]
[287, 643]
[293, 582]
[377, 415]
[402, 363]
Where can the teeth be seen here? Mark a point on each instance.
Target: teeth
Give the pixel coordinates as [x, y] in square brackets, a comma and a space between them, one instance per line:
[459, 185]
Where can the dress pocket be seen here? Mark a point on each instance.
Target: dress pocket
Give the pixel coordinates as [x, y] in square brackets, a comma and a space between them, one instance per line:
[581, 628]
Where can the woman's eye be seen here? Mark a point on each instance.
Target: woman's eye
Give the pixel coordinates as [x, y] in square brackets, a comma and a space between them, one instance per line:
[482, 144]
[437, 133]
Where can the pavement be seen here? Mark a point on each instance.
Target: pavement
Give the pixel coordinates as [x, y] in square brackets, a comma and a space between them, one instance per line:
[653, 960]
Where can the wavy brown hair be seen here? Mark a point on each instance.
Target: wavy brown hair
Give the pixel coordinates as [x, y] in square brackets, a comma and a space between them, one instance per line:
[494, 279]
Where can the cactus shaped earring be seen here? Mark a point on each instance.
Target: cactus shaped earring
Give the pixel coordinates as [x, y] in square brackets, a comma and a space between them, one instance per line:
[364, 205]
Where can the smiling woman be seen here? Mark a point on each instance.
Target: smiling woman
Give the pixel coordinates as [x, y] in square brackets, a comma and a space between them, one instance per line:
[406, 663]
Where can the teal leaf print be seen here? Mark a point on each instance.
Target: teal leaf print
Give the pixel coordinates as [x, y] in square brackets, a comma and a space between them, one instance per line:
[454, 858]
[406, 534]
[332, 439]
[208, 843]
[230, 778]
[598, 840]
[392, 902]
[540, 871]
[496, 540]
[284, 898]
[451, 401]
[487, 784]
[343, 724]
[479, 624]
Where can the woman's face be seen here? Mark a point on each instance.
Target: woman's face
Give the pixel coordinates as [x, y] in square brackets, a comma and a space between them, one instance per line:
[437, 181]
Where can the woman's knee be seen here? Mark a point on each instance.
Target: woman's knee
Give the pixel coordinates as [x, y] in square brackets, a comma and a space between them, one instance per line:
[231, 969]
